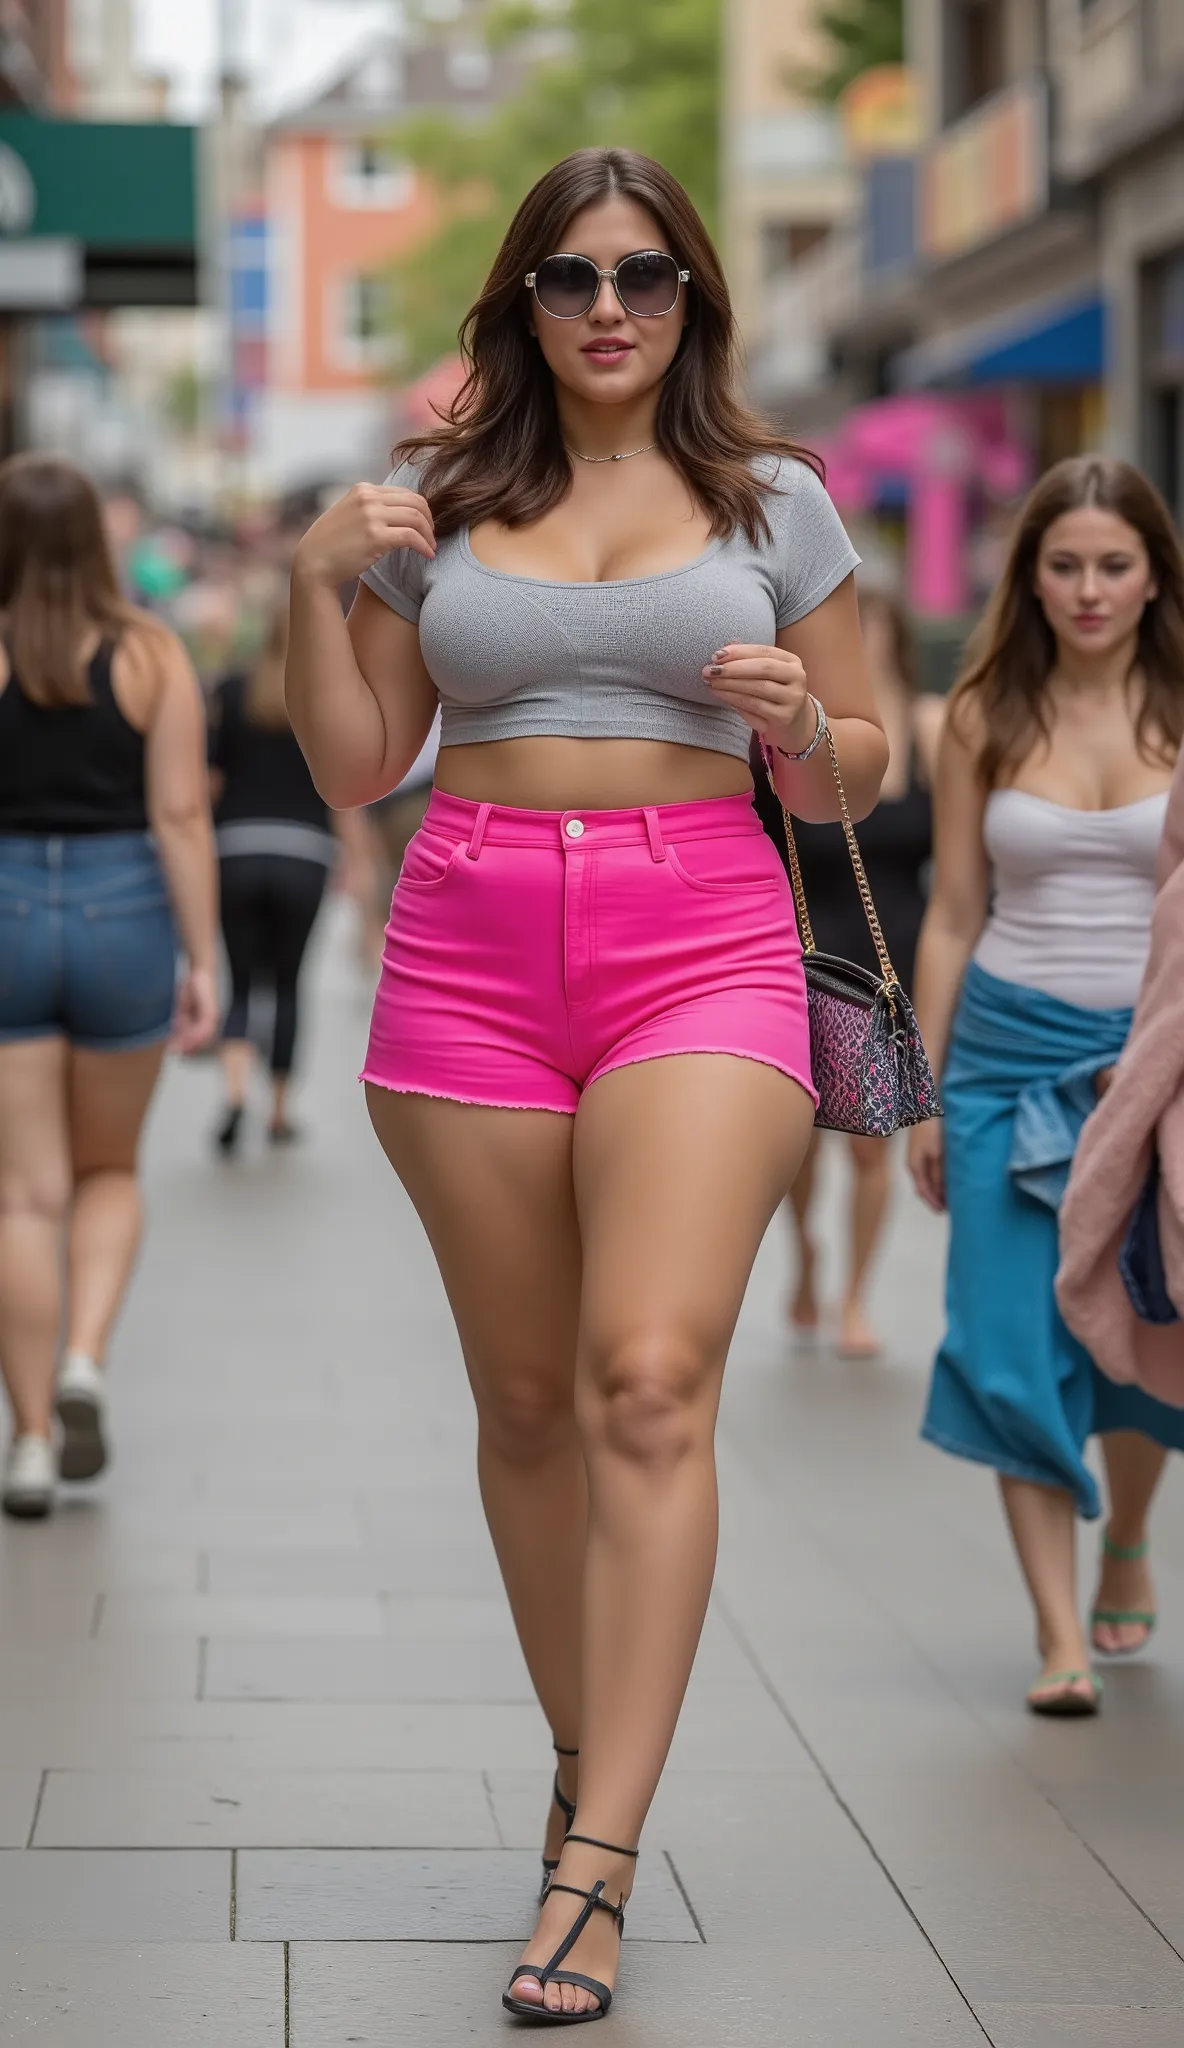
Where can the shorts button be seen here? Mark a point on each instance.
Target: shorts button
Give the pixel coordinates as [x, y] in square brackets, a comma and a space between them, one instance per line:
[574, 828]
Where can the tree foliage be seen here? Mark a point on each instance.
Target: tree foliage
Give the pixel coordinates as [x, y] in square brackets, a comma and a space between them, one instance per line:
[858, 33]
[642, 74]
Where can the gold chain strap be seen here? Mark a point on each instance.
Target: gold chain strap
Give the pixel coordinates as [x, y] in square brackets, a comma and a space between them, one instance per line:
[887, 971]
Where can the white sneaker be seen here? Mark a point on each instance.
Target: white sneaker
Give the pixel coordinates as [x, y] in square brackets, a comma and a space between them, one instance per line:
[81, 1406]
[29, 1477]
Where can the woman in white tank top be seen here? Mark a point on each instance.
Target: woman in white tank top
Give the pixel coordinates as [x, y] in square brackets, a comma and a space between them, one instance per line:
[1049, 806]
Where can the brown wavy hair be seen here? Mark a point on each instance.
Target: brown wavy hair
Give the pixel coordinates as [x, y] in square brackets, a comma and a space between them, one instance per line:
[57, 578]
[1012, 653]
[499, 453]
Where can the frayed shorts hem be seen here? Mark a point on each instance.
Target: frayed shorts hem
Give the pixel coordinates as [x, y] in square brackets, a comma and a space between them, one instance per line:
[137, 1042]
[610, 1067]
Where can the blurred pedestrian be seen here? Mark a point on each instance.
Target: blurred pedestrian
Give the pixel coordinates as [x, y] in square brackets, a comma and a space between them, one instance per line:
[275, 849]
[589, 1059]
[104, 841]
[1050, 800]
[896, 842]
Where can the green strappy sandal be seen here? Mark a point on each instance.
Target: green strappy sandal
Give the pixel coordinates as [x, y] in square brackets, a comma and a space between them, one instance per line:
[550, 1972]
[567, 1808]
[1123, 1617]
[1064, 1704]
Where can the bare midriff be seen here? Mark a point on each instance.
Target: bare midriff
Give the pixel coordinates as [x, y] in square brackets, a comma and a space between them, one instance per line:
[547, 774]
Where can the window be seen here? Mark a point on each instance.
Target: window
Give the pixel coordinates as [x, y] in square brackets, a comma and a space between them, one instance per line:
[976, 53]
[361, 340]
[366, 175]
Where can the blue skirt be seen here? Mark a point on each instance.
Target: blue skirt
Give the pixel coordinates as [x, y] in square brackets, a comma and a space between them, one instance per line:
[1011, 1387]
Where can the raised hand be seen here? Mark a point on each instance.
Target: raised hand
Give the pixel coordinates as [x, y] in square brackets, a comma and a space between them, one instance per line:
[365, 524]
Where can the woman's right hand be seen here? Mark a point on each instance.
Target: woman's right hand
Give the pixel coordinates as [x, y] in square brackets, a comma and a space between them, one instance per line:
[366, 524]
[927, 1162]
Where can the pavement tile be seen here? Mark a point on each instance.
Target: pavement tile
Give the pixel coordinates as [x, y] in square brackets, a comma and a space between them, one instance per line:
[201, 1614]
[18, 1800]
[1080, 2026]
[798, 1995]
[114, 1895]
[228, 1807]
[407, 1895]
[363, 1670]
[164, 1668]
[61, 1994]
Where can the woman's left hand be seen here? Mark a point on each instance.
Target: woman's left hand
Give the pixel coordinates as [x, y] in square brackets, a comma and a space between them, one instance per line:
[196, 1012]
[767, 686]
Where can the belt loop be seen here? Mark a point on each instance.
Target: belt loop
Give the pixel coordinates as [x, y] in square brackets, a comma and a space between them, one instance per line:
[473, 849]
[653, 832]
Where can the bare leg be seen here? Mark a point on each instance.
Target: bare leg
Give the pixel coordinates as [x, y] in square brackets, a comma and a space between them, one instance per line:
[493, 1188]
[803, 1312]
[237, 1056]
[109, 1093]
[680, 1164]
[1134, 1467]
[870, 1191]
[1044, 1529]
[34, 1198]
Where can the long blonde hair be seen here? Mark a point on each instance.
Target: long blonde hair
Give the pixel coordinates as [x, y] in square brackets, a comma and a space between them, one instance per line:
[57, 577]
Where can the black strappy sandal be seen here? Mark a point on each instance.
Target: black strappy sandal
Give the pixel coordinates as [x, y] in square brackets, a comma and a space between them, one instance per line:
[550, 1973]
[567, 1808]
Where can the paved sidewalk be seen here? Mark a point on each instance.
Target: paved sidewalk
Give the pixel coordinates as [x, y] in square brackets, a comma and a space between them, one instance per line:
[270, 1772]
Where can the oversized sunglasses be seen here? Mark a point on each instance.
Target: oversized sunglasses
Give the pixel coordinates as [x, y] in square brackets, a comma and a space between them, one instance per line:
[647, 284]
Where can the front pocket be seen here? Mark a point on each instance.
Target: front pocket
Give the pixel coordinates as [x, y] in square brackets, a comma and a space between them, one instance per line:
[727, 867]
[427, 862]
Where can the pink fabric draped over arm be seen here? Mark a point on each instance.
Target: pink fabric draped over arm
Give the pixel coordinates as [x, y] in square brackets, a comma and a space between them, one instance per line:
[1143, 1107]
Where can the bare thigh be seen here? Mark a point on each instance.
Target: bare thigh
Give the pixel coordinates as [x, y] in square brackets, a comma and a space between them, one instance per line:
[34, 1148]
[493, 1190]
[679, 1166]
[108, 1096]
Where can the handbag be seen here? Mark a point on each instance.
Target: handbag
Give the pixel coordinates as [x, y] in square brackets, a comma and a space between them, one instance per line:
[1140, 1260]
[870, 1068]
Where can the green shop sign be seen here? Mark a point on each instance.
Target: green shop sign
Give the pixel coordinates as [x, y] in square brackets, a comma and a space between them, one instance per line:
[97, 213]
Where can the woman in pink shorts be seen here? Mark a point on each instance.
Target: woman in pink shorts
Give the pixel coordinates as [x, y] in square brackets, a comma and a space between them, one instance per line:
[589, 1060]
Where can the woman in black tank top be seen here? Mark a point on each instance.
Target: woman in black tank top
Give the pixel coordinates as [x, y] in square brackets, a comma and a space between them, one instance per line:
[896, 843]
[105, 855]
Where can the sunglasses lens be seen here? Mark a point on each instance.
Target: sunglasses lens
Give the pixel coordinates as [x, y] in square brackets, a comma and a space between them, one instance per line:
[648, 284]
[566, 285]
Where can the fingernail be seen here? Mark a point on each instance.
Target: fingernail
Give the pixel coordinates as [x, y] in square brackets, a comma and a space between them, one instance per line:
[714, 669]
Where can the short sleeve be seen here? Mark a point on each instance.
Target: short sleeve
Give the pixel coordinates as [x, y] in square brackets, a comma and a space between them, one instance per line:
[397, 578]
[812, 554]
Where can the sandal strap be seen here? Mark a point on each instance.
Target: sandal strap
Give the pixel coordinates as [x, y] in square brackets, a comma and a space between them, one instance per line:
[567, 1807]
[1117, 1617]
[614, 1848]
[592, 1900]
[564, 1752]
[1124, 1553]
[593, 1984]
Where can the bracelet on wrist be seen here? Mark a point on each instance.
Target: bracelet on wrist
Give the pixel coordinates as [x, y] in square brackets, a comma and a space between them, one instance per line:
[819, 733]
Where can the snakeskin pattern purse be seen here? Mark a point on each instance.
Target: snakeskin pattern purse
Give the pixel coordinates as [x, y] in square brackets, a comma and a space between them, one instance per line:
[870, 1068]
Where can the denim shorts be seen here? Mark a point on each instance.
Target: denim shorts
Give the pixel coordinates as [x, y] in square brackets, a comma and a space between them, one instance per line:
[87, 945]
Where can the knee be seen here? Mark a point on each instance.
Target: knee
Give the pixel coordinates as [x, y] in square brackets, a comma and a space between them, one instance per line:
[525, 1417]
[646, 1401]
[869, 1157]
[41, 1192]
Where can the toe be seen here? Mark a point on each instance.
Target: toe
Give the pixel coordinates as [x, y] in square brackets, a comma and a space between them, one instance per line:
[529, 1990]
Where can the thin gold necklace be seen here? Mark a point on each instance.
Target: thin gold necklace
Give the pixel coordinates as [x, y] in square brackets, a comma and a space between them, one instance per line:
[626, 455]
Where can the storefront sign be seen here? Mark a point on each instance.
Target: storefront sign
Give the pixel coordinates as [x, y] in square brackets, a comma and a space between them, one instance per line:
[123, 194]
[986, 174]
[881, 113]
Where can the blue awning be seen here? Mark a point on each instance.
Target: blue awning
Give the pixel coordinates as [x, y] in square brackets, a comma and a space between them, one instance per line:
[1059, 343]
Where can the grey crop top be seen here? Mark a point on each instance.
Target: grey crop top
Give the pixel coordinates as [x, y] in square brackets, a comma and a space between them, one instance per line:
[521, 656]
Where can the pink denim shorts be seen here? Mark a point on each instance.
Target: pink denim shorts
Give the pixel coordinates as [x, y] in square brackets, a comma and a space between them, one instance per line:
[530, 952]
